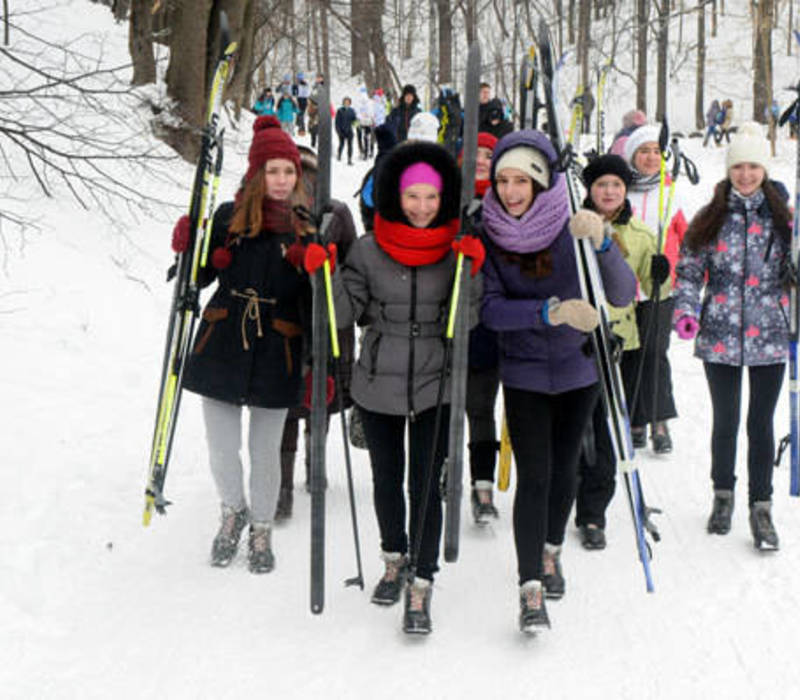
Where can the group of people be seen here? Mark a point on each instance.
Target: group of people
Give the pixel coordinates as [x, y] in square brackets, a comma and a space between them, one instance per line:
[290, 102]
[720, 278]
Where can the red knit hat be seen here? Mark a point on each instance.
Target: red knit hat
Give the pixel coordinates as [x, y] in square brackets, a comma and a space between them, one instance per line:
[486, 140]
[270, 141]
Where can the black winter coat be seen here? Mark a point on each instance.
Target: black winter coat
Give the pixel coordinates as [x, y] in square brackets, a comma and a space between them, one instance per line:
[345, 116]
[249, 347]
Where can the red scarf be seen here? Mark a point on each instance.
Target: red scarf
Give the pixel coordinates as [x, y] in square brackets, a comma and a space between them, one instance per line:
[276, 216]
[481, 186]
[415, 246]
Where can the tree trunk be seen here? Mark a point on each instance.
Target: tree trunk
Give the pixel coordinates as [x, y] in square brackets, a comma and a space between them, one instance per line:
[471, 21]
[445, 42]
[642, 12]
[326, 44]
[560, 14]
[571, 22]
[241, 16]
[584, 43]
[762, 61]
[714, 18]
[140, 43]
[699, 101]
[359, 49]
[186, 74]
[790, 33]
[662, 78]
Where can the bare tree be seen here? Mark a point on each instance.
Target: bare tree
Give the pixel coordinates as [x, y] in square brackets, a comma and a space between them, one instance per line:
[762, 61]
[663, 77]
[445, 41]
[140, 43]
[642, 14]
[699, 100]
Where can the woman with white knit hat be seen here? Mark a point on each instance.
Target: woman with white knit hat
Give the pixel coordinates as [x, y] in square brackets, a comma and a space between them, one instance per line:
[736, 250]
[643, 155]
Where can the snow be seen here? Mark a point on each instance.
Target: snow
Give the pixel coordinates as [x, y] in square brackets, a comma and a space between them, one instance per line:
[94, 605]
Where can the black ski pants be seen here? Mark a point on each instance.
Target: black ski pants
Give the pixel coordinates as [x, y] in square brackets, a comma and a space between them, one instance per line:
[365, 141]
[725, 385]
[545, 431]
[652, 354]
[385, 435]
[346, 139]
[482, 386]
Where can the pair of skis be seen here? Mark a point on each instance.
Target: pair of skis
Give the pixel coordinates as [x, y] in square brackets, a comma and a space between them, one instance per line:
[592, 290]
[186, 294]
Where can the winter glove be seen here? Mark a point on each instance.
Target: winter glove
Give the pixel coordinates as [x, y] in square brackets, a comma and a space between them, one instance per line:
[578, 313]
[686, 327]
[587, 224]
[181, 235]
[330, 390]
[472, 248]
[294, 254]
[316, 255]
[659, 269]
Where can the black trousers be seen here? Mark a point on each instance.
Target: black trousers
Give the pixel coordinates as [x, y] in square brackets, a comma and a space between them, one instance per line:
[482, 387]
[597, 478]
[725, 385]
[545, 431]
[385, 435]
[365, 141]
[349, 141]
[653, 353]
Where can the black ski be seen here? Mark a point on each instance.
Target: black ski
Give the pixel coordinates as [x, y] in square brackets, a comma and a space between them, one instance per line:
[458, 323]
[602, 343]
[186, 292]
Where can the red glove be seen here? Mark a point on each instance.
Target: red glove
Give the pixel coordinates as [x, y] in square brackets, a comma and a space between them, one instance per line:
[330, 390]
[473, 249]
[316, 255]
[295, 254]
[181, 235]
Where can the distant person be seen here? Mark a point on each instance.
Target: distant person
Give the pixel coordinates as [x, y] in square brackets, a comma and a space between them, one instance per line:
[495, 122]
[345, 117]
[286, 110]
[400, 117]
[364, 114]
[303, 93]
[631, 121]
[484, 95]
[265, 104]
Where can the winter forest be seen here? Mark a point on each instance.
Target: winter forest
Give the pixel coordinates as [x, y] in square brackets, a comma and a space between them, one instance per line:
[102, 110]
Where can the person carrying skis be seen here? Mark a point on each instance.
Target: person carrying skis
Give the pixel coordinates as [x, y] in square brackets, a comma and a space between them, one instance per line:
[345, 117]
[643, 154]
[736, 251]
[399, 118]
[483, 379]
[397, 283]
[249, 345]
[532, 298]
[608, 180]
[341, 232]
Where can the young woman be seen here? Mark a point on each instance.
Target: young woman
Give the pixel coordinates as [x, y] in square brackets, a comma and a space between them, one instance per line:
[532, 298]
[397, 283]
[644, 157]
[483, 379]
[345, 118]
[249, 344]
[607, 179]
[736, 249]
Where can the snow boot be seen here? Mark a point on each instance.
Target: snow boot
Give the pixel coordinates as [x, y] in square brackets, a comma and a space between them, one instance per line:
[226, 542]
[719, 523]
[417, 616]
[389, 588]
[553, 580]
[481, 501]
[532, 611]
[639, 437]
[764, 535]
[593, 536]
[261, 560]
[662, 442]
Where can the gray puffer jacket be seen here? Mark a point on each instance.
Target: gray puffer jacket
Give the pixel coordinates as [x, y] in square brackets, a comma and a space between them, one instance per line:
[743, 317]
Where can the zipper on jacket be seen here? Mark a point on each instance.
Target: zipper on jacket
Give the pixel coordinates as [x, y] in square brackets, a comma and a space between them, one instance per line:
[411, 338]
[744, 285]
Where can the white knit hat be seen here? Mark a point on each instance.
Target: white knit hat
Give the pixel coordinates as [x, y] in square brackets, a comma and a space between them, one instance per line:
[424, 127]
[644, 134]
[748, 145]
[529, 160]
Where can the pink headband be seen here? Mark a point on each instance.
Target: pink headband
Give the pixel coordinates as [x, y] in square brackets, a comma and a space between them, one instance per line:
[420, 173]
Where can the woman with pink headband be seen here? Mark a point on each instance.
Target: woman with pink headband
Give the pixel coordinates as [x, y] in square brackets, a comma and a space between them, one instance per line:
[397, 283]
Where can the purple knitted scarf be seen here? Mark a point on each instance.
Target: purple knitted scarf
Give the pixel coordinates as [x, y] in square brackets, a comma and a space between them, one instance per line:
[536, 229]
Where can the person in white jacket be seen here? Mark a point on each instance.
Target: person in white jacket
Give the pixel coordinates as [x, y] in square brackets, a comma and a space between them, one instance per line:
[365, 124]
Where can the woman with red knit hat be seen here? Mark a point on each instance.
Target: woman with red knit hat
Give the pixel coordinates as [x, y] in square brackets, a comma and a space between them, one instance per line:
[248, 348]
[397, 283]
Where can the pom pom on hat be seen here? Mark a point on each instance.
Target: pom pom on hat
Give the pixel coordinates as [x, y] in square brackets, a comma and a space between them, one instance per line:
[748, 145]
[270, 141]
[424, 127]
[221, 258]
[644, 134]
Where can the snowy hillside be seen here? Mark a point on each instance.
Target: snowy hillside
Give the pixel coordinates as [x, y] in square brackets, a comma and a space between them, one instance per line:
[92, 605]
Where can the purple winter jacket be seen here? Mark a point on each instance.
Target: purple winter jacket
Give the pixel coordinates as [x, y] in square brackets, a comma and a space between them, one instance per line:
[535, 356]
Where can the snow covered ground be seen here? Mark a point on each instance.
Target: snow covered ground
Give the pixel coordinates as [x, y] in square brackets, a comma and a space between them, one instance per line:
[93, 605]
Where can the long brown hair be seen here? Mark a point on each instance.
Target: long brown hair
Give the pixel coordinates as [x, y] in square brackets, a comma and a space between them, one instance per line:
[248, 210]
[706, 224]
[538, 264]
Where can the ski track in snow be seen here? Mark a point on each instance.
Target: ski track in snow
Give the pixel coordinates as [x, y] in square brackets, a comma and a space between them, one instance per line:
[93, 605]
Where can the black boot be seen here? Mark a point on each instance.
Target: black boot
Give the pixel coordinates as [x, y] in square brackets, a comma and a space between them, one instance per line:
[388, 589]
[764, 535]
[226, 543]
[662, 442]
[719, 523]
[417, 617]
[593, 536]
[553, 579]
[532, 611]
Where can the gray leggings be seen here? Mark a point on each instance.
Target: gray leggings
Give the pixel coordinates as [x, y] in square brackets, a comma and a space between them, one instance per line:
[224, 435]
